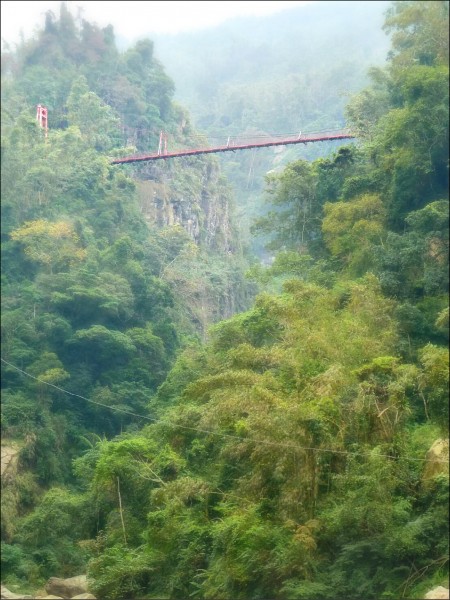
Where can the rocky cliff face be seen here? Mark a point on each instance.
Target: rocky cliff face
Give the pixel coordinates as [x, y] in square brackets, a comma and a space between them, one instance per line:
[192, 193]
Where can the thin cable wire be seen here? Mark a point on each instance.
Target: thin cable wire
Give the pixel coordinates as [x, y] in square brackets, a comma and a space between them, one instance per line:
[154, 131]
[209, 432]
[238, 136]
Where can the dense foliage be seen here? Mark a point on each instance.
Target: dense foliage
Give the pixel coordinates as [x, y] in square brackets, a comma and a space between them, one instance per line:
[99, 287]
[285, 456]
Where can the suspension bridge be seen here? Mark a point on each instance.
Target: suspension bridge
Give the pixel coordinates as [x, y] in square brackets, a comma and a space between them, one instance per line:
[234, 143]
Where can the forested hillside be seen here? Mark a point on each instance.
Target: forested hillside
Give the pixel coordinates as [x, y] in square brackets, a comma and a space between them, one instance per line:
[105, 272]
[176, 438]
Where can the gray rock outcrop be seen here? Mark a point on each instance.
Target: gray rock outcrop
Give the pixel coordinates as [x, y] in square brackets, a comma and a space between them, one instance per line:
[67, 588]
[438, 593]
[9, 459]
[437, 460]
[8, 595]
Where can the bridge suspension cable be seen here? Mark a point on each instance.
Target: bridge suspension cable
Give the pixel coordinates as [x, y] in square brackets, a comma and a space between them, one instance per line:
[234, 143]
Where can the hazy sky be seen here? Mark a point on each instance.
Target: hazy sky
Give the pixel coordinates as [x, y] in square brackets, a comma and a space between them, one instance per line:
[133, 19]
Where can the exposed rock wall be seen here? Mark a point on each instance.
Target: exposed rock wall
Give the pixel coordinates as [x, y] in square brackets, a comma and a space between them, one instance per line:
[192, 195]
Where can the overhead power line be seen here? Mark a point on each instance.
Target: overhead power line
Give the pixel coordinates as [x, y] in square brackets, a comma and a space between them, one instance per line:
[210, 432]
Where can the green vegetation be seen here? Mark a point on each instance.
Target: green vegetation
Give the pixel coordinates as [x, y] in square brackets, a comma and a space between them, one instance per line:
[280, 447]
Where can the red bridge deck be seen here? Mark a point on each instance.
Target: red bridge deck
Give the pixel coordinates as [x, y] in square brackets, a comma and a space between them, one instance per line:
[234, 144]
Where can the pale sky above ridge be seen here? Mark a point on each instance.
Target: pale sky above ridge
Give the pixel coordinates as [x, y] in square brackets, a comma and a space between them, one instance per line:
[134, 19]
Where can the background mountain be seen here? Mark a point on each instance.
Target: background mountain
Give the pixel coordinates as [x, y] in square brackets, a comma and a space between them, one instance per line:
[293, 71]
[317, 53]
